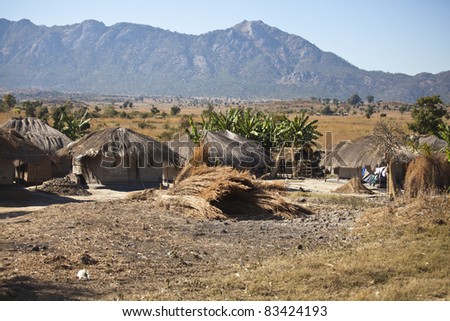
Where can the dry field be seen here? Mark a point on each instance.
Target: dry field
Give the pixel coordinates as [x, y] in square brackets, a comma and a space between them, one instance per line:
[342, 127]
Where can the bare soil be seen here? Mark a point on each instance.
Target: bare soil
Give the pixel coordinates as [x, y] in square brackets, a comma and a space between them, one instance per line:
[135, 250]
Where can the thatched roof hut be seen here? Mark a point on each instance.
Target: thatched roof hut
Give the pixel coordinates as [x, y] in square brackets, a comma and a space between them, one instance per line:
[118, 155]
[14, 147]
[21, 159]
[229, 149]
[348, 156]
[39, 133]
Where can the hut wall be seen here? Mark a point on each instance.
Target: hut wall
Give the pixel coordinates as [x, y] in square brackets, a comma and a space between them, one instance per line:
[6, 171]
[37, 173]
[63, 168]
[95, 173]
[151, 174]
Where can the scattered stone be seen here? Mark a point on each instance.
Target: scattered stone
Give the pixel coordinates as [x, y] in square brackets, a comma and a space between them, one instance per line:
[83, 275]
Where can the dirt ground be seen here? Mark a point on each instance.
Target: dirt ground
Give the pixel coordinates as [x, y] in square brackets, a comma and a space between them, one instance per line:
[135, 250]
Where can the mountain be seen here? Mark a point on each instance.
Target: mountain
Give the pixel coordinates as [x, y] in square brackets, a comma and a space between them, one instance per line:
[248, 60]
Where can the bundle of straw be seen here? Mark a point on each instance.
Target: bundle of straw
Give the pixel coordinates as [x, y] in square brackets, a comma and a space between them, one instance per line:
[223, 192]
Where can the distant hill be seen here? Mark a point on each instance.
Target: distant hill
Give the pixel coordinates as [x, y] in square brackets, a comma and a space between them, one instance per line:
[248, 60]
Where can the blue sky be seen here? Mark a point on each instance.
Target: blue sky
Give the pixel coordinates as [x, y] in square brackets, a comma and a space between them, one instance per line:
[408, 36]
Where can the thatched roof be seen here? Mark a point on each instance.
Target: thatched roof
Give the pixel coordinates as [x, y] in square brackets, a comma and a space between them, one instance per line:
[360, 152]
[183, 146]
[234, 150]
[433, 141]
[15, 148]
[121, 142]
[39, 133]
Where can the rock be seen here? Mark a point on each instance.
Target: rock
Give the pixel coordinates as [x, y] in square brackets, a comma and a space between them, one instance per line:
[83, 275]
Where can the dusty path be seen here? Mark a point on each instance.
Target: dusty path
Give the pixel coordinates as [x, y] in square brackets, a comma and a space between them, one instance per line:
[16, 201]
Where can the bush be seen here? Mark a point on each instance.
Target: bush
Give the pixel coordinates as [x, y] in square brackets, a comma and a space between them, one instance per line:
[109, 111]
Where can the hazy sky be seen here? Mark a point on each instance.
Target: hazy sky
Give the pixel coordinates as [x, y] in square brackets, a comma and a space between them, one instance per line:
[408, 36]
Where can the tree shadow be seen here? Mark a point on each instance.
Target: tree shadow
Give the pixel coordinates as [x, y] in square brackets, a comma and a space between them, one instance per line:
[24, 288]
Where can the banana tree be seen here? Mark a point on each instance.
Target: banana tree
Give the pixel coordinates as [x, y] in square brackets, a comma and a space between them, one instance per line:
[73, 125]
[299, 132]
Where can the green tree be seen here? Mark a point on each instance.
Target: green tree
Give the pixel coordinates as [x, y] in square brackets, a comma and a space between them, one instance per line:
[154, 110]
[370, 99]
[327, 110]
[402, 109]
[354, 100]
[370, 110]
[268, 130]
[42, 113]
[175, 110]
[30, 107]
[9, 101]
[427, 115]
[444, 133]
[299, 131]
[109, 111]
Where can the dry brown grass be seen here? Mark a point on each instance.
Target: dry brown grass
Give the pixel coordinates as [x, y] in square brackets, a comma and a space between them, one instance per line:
[400, 252]
[223, 192]
[353, 186]
[354, 126]
[427, 174]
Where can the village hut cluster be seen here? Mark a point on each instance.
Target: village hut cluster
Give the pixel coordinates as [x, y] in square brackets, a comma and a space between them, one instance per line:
[209, 172]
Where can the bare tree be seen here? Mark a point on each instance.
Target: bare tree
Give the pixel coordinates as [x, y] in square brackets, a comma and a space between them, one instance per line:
[388, 137]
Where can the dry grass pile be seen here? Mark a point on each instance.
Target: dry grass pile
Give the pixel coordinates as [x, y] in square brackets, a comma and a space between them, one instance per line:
[65, 186]
[223, 192]
[427, 174]
[353, 186]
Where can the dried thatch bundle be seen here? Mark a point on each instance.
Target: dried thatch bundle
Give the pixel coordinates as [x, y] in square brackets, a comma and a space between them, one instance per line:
[427, 173]
[223, 192]
[39, 133]
[354, 186]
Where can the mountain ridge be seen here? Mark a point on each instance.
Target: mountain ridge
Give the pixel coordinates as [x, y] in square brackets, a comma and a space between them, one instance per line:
[248, 60]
